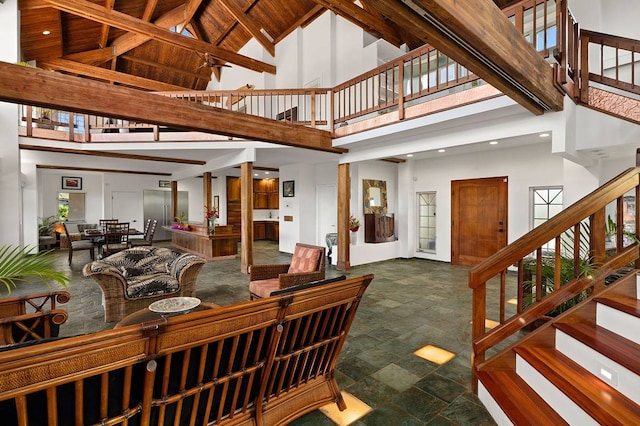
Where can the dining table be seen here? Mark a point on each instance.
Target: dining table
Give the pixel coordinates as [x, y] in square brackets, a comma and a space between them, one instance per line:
[95, 235]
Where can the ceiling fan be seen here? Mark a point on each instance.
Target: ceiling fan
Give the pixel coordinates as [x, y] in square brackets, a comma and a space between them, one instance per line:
[209, 61]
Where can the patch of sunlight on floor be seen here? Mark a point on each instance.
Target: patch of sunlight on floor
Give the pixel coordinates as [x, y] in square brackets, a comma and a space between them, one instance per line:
[435, 354]
[355, 410]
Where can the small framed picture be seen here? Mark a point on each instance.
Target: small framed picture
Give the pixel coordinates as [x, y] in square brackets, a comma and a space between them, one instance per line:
[69, 182]
[164, 183]
[288, 188]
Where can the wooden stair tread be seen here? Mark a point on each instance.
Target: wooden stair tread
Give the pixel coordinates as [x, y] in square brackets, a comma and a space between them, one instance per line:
[517, 400]
[613, 346]
[623, 303]
[599, 400]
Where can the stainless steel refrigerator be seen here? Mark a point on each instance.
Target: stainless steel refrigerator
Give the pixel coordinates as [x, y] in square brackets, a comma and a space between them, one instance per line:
[157, 205]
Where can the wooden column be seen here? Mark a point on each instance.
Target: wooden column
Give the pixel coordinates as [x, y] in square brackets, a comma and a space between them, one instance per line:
[246, 214]
[206, 192]
[344, 197]
[174, 200]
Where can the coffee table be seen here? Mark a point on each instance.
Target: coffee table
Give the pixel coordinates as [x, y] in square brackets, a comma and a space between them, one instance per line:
[146, 315]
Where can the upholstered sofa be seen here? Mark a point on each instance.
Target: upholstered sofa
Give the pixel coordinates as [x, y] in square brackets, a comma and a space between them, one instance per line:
[134, 278]
[261, 362]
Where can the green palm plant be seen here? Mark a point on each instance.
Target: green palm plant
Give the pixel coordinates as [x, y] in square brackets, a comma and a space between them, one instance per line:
[21, 265]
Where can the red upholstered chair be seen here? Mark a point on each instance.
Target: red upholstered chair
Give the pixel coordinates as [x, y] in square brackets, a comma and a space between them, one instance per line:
[307, 265]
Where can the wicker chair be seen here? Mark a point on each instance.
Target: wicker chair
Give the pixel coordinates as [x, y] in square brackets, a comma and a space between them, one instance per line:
[32, 317]
[134, 278]
[307, 265]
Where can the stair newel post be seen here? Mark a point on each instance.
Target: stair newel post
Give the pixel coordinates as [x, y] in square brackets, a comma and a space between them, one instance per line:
[478, 316]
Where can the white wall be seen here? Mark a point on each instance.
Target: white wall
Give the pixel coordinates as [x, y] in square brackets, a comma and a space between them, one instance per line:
[11, 207]
[362, 252]
[525, 167]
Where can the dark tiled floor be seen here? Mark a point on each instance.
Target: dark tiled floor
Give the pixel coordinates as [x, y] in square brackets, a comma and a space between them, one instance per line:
[410, 303]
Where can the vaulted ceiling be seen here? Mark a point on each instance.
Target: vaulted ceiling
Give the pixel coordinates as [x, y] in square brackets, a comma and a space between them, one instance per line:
[180, 44]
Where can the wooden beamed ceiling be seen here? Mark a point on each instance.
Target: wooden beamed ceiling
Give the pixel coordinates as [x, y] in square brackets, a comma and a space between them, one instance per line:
[139, 43]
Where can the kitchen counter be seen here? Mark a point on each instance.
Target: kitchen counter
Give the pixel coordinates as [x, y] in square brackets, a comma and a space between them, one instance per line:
[222, 245]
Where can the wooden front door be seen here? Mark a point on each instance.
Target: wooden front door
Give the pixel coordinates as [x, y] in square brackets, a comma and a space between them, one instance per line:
[478, 219]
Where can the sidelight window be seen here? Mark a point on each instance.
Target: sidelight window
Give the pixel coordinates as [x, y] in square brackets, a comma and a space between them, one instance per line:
[427, 222]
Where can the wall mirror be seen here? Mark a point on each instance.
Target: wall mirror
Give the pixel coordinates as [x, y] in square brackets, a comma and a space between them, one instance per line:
[375, 196]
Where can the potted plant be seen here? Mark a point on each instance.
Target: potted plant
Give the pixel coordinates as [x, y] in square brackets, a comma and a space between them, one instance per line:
[20, 264]
[211, 215]
[180, 222]
[46, 226]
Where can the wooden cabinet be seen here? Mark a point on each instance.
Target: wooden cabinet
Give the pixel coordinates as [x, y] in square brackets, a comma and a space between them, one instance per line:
[234, 209]
[378, 228]
[259, 230]
[265, 194]
[268, 234]
[266, 230]
[233, 189]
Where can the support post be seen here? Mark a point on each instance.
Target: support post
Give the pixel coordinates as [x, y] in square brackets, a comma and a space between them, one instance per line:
[246, 214]
[344, 197]
[206, 191]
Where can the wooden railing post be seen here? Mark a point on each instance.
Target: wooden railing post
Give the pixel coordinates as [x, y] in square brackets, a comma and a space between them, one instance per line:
[584, 70]
[478, 317]
[401, 90]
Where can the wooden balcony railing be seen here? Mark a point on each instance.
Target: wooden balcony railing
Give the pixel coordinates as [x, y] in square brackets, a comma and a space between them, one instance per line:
[417, 77]
[610, 61]
[589, 241]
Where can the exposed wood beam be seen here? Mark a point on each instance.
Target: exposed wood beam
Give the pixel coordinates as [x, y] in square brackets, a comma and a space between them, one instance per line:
[104, 32]
[165, 67]
[94, 57]
[126, 22]
[360, 17]
[111, 154]
[33, 86]
[107, 75]
[478, 35]
[252, 26]
[93, 169]
[190, 9]
[149, 8]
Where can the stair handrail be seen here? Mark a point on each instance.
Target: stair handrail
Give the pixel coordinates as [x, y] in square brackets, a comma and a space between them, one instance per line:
[592, 208]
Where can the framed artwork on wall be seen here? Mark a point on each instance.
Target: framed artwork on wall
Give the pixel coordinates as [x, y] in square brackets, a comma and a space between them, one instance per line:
[164, 183]
[69, 182]
[288, 188]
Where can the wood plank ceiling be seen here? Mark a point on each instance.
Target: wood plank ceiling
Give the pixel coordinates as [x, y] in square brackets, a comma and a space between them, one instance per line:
[137, 43]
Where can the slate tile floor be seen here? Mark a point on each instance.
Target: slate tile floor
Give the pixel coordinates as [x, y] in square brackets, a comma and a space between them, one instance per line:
[410, 303]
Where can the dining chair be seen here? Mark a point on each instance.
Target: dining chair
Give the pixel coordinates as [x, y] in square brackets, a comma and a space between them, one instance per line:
[147, 238]
[116, 238]
[78, 245]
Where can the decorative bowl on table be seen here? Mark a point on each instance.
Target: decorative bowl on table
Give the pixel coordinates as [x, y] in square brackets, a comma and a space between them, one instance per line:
[92, 231]
[174, 305]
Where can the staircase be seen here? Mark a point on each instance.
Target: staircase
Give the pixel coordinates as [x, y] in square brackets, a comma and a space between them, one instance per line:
[582, 368]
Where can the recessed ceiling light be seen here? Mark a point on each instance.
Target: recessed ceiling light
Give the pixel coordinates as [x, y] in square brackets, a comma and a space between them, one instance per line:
[46, 32]
[544, 135]
[255, 174]
[441, 150]
[409, 155]
[493, 143]
[266, 173]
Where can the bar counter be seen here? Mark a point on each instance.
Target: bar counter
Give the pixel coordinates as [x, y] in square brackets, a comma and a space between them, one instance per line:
[222, 245]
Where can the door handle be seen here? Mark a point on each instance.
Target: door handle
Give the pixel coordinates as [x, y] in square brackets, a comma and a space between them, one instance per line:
[500, 230]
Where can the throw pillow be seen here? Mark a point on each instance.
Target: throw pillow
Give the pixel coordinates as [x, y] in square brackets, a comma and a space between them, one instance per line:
[304, 259]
